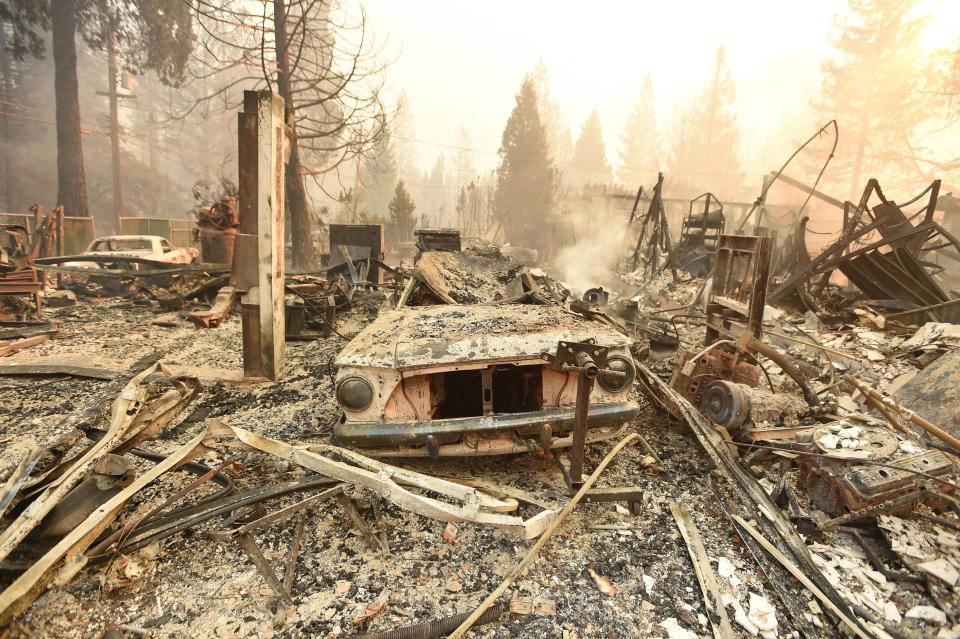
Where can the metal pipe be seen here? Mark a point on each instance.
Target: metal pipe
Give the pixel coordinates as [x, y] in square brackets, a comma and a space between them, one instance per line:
[813, 400]
[584, 386]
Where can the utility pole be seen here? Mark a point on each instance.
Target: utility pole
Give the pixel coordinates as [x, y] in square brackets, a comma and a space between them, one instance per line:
[115, 130]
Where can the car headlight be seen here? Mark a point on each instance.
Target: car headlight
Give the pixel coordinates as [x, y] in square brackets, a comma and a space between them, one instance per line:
[620, 364]
[354, 393]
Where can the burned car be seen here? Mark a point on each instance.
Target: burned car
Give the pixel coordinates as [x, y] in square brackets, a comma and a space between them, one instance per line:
[147, 247]
[454, 379]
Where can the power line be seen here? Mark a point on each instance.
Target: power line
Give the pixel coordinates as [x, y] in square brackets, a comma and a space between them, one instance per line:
[128, 136]
[25, 107]
[399, 137]
[447, 146]
[572, 164]
[27, 117]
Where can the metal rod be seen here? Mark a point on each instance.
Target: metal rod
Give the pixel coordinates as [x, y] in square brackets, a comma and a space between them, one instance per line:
[266, 570]
[584, 386]
[878, 399]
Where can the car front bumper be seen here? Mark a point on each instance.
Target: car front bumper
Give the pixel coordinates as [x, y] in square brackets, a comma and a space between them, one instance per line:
[414, 433]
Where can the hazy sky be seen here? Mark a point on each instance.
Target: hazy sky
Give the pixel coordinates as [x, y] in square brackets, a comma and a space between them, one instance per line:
[462, 63]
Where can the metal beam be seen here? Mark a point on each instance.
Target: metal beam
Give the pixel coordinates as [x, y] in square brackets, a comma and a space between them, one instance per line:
[807, 189]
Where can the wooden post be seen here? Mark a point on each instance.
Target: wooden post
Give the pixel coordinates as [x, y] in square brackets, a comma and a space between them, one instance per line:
[258, 269]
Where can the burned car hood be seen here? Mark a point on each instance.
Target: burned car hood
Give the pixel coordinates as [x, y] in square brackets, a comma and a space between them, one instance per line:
[447, 334]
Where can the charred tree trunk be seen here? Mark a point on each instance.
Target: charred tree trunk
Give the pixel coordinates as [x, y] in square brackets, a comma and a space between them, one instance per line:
[71, 180]
[6, 72]
[304, 251]
[304, 254]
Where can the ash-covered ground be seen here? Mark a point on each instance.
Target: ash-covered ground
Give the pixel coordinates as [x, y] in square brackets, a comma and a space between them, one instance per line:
[191, 585]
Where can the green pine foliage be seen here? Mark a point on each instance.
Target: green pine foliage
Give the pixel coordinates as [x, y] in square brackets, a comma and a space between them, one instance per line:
[402, 219]
[640, 142]
[589, 165]
[526, 176]
[705, 139]
[878, 87]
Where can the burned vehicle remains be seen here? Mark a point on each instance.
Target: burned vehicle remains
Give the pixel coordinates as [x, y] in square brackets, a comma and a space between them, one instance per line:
[474, 380]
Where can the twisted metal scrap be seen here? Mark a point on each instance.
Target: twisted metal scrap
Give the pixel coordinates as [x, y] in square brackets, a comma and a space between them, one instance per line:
[751, 493]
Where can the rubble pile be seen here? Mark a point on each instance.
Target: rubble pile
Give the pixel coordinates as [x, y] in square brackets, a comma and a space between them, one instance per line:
[460, 447]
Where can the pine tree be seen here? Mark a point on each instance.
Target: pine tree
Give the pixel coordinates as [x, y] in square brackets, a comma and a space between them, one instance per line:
[875, 88]
[589, 165]
[639, 142]
[436, 201]
[378, 175]
[526, 176]
[402, 220]
[559, 141]
[464, 168]
[401, 140]
[705, 138]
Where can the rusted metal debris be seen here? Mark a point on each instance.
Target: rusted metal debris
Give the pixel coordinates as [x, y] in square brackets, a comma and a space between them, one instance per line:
[437, 239]
[694, 375]
[725, 389]
[19, 252]
[839, 479]
[739, 289]
[16, 336]
[899, 277]
[695, 252]
[722, 378]
[589, 361]
[756, 499]
[654, 248]
[217, 230]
